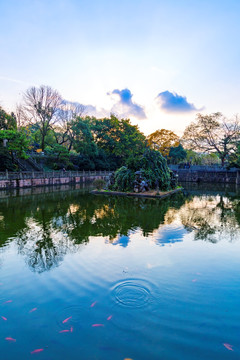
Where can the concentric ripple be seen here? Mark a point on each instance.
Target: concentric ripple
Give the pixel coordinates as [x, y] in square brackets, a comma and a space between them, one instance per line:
[132, 293]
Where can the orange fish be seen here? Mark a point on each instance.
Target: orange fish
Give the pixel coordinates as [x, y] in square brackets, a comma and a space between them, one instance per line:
[109, 318]
[4, 318]
[66, 320]
[36, 351]
[8, 301]
[228, 346]
[10, 339]
[93, 304]
[63, 331]
[34, 309]
[96, 325]
[71, 329]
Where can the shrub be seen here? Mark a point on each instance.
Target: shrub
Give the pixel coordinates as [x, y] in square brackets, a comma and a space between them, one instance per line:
[154, 171]
[99, 183]
[124, 179]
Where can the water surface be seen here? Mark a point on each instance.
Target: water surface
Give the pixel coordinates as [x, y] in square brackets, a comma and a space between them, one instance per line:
[97, 277]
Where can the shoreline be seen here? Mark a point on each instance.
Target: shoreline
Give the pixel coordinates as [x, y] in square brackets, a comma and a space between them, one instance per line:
[147, 194]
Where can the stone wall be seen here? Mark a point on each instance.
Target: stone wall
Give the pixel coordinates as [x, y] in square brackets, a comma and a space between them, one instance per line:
[226, 177]
[46, 181]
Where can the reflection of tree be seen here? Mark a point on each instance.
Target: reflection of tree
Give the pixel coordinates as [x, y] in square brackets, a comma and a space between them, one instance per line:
[42, 246]
[211, 218]
[48, 226]
[53, 225]
[111, 216]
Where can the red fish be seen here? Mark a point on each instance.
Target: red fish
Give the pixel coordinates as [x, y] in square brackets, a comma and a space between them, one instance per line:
[36, 351]
[63, 331]
[34, 309]
[93, 304]
[10, 339]
[109, 318]
[71, 329]
[4, 318]
[66, 320]
[228, 346]
[8, 301]
[96, 325]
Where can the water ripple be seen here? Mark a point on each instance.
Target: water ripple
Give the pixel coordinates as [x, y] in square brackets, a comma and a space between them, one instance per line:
[132, 293]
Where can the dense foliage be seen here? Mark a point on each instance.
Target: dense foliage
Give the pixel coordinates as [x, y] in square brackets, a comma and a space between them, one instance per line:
[154, 171]
[58, 134]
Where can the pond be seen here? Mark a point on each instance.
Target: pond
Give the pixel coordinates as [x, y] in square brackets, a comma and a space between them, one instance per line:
[97, 277]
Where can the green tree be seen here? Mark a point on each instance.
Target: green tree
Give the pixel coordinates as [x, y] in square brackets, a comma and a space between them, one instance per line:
[118, 138]
[17, 142]
[83, 141]
[153, 168]
[177, 154]
[7, 121]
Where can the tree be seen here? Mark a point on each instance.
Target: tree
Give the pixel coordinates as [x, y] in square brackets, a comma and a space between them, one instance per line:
[40, 107]
[118, 138]
[163, 140]
[17, 142]
[154, 170]
[83, 138]
[177, 154]
[235, 157]
[63, 129]
[213, 133]
[7, 121]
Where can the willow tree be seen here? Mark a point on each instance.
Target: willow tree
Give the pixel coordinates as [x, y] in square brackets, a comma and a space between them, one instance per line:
[40, 107]
[213, 133]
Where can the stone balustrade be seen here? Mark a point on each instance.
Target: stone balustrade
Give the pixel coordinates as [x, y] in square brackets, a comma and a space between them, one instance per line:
[43, 178]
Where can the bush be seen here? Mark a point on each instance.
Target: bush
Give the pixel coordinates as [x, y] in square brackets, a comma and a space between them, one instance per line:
[154, 171]
[6, 160]
[99, 183]
[124, 179]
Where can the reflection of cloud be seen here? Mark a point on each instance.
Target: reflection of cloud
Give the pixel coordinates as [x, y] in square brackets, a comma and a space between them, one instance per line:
[122, 241]
[125, 107]
[172, 102]
[169, 234]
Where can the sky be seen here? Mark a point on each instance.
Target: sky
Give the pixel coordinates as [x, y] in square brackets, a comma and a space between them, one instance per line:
[156, 62]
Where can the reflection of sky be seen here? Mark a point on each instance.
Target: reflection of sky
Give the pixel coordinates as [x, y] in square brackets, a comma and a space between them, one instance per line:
[122, 241]
[169, 235]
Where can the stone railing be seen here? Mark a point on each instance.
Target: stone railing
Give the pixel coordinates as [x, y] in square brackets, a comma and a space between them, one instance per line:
[43, 178]
[6, 175]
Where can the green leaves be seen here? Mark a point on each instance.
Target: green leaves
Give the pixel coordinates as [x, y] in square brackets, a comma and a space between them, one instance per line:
[17, 141]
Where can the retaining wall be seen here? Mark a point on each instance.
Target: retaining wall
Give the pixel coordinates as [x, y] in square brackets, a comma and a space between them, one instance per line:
[24, 179]
[226, 177]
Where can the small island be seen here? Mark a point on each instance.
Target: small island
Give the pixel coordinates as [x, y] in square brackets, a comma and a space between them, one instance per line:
[146, 175]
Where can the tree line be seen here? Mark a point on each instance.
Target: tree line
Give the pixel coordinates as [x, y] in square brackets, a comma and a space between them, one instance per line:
[44, 123]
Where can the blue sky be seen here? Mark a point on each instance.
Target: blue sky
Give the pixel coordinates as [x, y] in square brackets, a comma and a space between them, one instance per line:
[157, 62]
